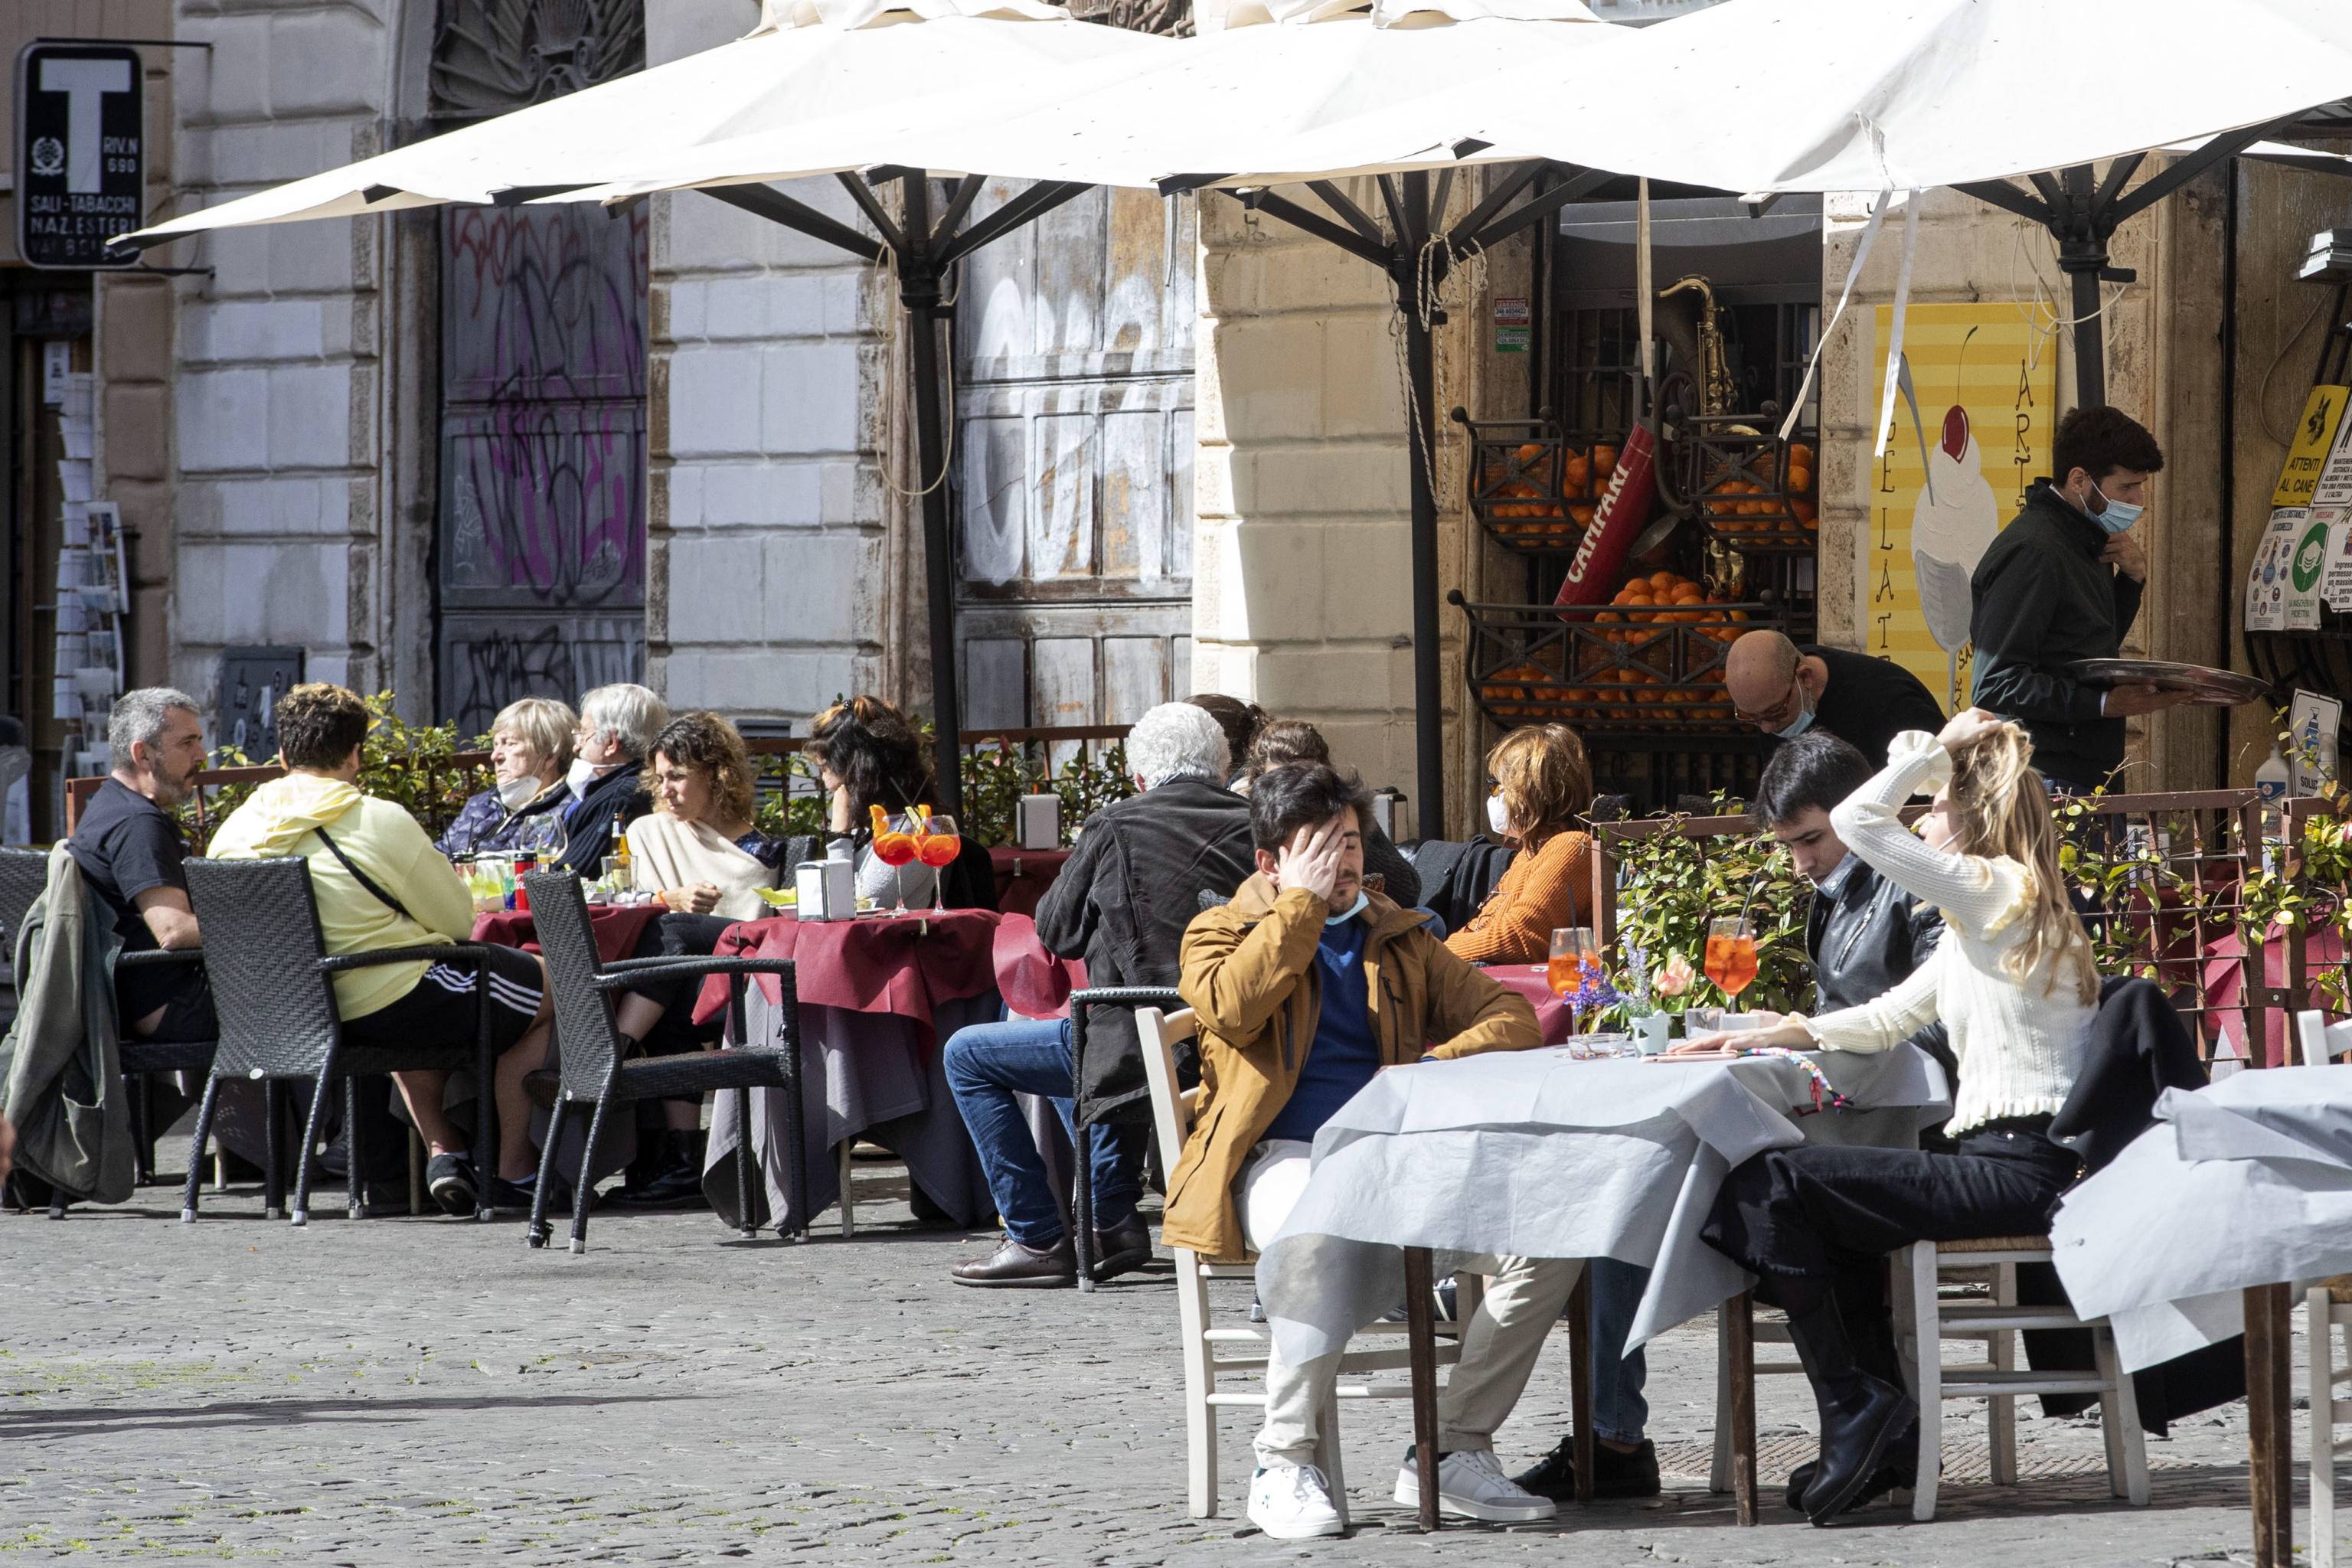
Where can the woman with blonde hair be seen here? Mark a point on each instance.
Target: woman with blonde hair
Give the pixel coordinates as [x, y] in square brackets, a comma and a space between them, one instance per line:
[2014, 982]
[530, 745]
[1542, 786]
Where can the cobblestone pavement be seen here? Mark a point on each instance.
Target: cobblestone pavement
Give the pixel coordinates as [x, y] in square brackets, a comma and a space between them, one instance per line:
[402, 1390]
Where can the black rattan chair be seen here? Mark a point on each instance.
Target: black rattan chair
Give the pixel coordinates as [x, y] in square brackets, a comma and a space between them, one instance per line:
[594, 1074]
[273, 989]
[1082, 1199]
[24, 875]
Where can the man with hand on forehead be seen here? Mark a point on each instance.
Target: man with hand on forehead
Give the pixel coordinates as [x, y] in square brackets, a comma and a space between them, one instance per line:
[1305, 985]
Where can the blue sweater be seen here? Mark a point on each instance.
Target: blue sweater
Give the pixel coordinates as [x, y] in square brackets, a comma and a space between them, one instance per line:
[1343, 1056]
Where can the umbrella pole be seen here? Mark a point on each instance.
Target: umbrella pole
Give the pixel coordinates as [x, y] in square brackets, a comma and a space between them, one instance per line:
[1428, 690]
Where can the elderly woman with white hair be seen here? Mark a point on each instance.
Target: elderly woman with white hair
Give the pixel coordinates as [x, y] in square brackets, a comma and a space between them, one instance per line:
[606, 781]
[1122, 903]
[530, 747]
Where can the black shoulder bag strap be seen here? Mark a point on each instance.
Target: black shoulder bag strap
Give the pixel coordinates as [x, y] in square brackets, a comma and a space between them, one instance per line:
[364, 880]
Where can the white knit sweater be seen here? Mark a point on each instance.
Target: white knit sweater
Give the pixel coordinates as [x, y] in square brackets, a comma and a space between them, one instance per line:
[2019, 1046]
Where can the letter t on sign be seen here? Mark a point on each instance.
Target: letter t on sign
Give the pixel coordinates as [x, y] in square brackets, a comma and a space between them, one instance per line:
[85, 84]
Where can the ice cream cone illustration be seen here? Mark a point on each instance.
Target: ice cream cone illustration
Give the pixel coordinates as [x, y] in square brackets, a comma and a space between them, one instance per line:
[1952, 526]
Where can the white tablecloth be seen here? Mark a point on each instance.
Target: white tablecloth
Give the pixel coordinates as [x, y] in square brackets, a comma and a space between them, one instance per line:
[1529, 1152]
[2246, 1182]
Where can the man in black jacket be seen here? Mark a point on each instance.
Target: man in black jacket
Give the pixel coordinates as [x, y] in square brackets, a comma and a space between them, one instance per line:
[1122, 903]
[2062, 582]
[618, 726]
[1785, 689]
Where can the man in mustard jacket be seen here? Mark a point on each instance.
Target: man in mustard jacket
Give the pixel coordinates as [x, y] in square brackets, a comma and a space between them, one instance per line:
[1306, 984]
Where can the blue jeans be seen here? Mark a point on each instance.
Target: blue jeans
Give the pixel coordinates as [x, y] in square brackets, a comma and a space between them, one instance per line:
[987, 1065]
[1619, 1411]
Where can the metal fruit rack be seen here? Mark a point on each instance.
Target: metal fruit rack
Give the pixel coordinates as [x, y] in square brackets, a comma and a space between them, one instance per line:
[1533, 483]
[1751, 490]
[1611, 667]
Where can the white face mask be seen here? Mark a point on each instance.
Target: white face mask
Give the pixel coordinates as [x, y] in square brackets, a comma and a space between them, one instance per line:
[1499, 815]
[516, 793]
[581, 775]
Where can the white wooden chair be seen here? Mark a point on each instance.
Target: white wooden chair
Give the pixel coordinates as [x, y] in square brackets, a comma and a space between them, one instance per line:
[2318, 1044]
[1172, 1121]
[1996, 1317]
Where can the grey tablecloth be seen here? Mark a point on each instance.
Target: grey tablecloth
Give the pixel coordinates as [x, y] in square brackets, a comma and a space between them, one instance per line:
[1529, 1152]
[2246, 1182]
[868, 1075]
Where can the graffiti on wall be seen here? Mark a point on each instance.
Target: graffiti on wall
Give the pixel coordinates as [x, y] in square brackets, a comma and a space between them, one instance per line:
[543, 452]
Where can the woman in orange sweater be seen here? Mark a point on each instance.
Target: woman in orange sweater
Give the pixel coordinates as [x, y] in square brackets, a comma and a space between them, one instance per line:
[1543, 784]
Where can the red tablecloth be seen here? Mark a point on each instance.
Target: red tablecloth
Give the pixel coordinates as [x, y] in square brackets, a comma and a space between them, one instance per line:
[617, 931]
[1024, 875]
[2224, 980]
[1528, 979]
[906, 964]
[1033, 982]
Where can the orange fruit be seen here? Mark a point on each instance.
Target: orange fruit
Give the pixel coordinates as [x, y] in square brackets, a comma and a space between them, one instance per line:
[1800, 455]
[1804, 511]
[1604, 460]
[1662, 580]
[1800, 479]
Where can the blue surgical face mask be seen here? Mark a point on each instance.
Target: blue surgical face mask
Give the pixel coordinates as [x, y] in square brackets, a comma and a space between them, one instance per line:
[1800, 724]
[1362, 898]
[2119, 515]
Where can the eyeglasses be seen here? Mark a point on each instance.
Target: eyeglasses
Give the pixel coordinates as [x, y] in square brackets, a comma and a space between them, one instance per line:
[1781, 713]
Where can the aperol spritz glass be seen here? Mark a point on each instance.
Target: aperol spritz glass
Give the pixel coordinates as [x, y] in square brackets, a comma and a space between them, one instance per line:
[894, 847]
[937, 844]
[1731, 955]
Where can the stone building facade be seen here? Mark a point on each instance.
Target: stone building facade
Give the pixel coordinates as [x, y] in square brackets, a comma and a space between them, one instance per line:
[396, 443]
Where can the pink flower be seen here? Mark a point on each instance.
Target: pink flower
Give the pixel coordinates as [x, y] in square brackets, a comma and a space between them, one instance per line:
[1676, 977]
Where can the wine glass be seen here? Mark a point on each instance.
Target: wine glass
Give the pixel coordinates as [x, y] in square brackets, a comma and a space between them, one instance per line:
[894, 847]
[1575, 962]
[937, 844]
[1731, 955]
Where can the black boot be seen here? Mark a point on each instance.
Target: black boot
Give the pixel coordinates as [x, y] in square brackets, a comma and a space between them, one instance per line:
[677, 1183]
[1863, 1417]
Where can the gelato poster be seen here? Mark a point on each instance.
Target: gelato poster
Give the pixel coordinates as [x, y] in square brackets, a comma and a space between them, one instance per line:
[1988, 387]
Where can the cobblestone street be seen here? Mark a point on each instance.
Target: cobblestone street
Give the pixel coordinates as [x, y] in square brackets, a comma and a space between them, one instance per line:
[403, 1391]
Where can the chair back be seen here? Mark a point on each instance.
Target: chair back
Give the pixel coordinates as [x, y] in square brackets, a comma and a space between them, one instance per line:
[262, 952]
[2319, 1042]
[24, 875]
[1172, 1112]
[587, 1042]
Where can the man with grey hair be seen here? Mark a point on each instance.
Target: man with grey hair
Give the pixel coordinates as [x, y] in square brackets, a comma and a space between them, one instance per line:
[129, 850]
[618, 726]
[1122, 903]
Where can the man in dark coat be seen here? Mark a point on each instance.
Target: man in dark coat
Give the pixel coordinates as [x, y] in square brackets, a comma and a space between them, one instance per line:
[2062, 582]
[618, 726]
[1786, 688]
[1122, 903]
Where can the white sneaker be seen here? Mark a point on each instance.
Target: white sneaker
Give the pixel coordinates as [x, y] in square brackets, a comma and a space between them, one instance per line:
[1471, 1485]
[1292, 1502]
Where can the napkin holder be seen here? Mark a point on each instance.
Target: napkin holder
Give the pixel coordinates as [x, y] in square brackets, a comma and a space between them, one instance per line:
[826, 890]
[1041, 822]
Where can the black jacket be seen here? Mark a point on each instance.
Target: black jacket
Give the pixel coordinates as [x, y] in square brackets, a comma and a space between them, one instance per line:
[2138, 1049]
[2043, 598]
[1865, 941]
[1868, 701]
[592, 825]
[1122, 903]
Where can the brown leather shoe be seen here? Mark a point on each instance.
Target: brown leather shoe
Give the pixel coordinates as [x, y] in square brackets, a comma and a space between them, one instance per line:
[1122, 1248]
[1012, 1264]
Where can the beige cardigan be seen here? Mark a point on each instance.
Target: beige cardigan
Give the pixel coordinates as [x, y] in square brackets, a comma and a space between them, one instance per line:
[666, 852]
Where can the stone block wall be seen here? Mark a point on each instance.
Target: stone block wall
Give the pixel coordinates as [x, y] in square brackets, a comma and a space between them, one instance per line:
[771, 580]
[278, 414]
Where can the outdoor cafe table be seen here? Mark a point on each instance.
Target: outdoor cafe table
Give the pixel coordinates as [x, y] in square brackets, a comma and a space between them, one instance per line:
[878, 996]
[2203, 1226]
[1024, 875]
[1534, 1154]
[618, 930]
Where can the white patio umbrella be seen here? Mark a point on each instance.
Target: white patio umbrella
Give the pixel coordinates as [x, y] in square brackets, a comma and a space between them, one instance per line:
[1288, 90]
[809, 63]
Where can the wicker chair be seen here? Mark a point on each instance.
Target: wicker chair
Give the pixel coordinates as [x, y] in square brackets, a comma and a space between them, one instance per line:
[592, 1074]
[273, 988]
[23, 874]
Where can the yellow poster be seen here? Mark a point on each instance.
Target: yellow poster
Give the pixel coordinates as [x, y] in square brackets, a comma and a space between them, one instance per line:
[2323, 411]
[1987, 398]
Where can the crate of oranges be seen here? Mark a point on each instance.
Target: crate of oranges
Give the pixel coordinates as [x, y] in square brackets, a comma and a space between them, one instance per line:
[1750, 490]
[1649, 662]
[1530, 486]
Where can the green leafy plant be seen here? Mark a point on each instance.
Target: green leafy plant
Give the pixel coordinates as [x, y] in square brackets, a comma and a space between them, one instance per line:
[1670, 885]
[416, 766]
[791, 801]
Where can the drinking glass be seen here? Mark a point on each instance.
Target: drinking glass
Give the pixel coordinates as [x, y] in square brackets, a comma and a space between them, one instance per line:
[1731, 955]
[1575, 963]
[894, 847]
[937, 844]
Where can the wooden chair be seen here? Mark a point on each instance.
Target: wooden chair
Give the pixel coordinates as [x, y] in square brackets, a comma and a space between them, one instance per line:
[1172, 1121]
[1995, 1317]
[2318, 1042]
[2330, 1302]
